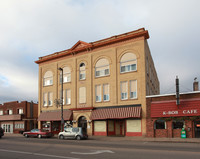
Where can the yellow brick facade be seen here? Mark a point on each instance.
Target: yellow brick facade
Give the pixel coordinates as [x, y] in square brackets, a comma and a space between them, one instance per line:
[145, 75]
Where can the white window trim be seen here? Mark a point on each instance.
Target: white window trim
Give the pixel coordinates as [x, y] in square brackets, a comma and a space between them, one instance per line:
[104, 70]
[128, 65]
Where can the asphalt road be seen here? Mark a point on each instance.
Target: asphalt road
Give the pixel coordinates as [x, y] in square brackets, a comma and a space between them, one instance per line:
[18, 147]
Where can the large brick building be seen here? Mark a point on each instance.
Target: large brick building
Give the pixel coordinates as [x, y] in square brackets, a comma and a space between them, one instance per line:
[17, 116]
[105, 85]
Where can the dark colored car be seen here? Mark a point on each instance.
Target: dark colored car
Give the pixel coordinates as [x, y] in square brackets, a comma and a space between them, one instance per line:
[37, 133]
[73, 133]
[1, 132]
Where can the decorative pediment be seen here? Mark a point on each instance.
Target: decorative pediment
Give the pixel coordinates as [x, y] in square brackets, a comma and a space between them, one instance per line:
[79, 45]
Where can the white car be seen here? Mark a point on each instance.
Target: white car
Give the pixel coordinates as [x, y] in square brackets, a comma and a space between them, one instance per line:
[73, 133]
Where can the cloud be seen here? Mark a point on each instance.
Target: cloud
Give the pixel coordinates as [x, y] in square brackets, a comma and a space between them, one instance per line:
[34, 28]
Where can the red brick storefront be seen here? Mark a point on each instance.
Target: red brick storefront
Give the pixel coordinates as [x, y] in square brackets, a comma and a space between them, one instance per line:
[166, 119]
[16, 117]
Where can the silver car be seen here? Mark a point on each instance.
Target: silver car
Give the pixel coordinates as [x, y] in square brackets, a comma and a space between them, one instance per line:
[73, 133]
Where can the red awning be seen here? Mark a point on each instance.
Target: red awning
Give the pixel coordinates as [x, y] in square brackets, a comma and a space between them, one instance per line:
[55, 116]
[116, 113]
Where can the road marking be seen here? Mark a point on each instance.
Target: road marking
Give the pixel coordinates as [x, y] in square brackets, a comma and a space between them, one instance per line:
[37, 154]
[93, 153]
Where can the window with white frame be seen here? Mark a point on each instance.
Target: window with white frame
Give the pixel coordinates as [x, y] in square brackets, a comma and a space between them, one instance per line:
[50, 98]
[1, 112]
[98, 93]
[124, 90]
[45, 100]
[68, 96]
[106, 96]
[20, 111]
[66, 75]
[82, 95]
[128, 63]
[82, 72]
[133, 89]
[19, 126]
[102, 68]
[48, 78]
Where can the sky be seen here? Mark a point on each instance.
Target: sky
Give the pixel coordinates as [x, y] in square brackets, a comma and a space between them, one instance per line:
[30, 29]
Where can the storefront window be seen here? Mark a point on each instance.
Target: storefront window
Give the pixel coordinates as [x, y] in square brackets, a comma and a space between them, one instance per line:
[177, 124]
[160, 124]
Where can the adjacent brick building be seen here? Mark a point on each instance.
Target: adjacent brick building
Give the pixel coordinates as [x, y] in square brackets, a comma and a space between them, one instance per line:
[16, 117]
[105, 85]
[166, 119]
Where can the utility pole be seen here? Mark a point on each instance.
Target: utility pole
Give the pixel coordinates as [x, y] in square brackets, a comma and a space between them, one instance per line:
[61, 98]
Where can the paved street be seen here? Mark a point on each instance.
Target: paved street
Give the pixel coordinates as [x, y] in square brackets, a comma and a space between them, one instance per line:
[18, 147]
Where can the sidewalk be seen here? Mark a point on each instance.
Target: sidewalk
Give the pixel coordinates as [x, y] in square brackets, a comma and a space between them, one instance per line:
[145, 139]
[126, 138]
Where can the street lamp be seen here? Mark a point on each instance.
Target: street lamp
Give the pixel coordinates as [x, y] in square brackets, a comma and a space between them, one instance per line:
[61, 102]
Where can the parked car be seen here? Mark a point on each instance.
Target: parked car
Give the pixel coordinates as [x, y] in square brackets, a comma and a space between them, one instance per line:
[37, 133]
[1, 132]
[73, 133]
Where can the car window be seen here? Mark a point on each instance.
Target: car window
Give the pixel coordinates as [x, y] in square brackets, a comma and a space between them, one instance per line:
[75, 130]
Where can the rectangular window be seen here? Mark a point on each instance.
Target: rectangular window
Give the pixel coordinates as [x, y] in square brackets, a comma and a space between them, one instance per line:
[68, 96]
[82, 95]
[10, 112]
[45, 99]
[50, 98]
[160, 124]
[67, 77]
[98, 93]
[1, 112]
[177, 124]
[133, 89]
[124, 90]
[106, 96]
[20, 111]
[82, 75]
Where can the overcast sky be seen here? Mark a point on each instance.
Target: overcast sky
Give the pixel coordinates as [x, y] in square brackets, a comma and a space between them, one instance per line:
[33, 28]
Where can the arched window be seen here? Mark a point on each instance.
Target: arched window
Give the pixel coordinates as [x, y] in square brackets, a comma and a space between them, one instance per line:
[128, 63]
[102, 68]
[160, 124]
[48, 78]
[82, 71]
[66, 75]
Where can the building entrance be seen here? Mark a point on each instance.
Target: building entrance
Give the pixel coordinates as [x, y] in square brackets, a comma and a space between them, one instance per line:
[82, 122]
[8, 128]
[197, 129]
[116, 127]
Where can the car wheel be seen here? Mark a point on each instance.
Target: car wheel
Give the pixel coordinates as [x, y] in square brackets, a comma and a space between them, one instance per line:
[39, 136]
[61, 137]
[26, 135]
[78, 138]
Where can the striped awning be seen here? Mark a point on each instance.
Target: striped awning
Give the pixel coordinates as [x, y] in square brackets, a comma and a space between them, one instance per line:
[55, 116]
[116, 113]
